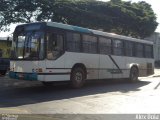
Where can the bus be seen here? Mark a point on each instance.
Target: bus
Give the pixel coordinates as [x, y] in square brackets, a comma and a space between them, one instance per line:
[5, 48]
[51, 52]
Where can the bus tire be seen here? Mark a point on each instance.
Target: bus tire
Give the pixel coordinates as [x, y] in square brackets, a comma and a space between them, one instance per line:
[134, 74]
[78, 76]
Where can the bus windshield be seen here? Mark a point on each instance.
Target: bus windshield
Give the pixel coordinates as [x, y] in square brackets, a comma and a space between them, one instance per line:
[29, 45]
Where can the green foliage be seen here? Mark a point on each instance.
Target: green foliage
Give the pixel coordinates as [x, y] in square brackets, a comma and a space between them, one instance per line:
[131, 19]
[5, 49]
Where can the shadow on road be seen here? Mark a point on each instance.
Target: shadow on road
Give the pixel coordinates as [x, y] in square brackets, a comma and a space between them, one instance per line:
[30, 94]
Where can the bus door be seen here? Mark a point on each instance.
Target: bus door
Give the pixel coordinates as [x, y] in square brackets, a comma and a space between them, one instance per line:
[112, 60]
[55, 55]
[105, 63]
[118, 66]
[118, 58]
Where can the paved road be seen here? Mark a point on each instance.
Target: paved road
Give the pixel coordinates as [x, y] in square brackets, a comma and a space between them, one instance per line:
[96, 97]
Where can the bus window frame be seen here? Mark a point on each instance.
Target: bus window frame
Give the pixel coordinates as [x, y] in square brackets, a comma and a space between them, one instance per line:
[55, 31]
[64, 31]
[96, 51]
[16, 42]
[80, 41]
[107, 38]
[113, 47]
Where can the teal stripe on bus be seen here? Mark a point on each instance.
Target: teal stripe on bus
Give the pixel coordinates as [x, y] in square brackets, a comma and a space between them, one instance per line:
[80, 29]
[69, 27]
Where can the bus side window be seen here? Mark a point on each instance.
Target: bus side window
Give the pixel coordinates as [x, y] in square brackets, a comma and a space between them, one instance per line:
[148, 51]
[55, 45]
[129, 48]
[89, 44]
[73, 42]
[105, 45]
[118, 47]
[59, 45]
[139, 50]
[51, 40]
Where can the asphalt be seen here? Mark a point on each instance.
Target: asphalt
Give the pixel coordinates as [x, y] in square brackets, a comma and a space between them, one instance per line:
[96, 97]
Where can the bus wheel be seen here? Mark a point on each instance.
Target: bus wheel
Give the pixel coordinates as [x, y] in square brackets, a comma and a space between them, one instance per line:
[78, 77]
[134, 73]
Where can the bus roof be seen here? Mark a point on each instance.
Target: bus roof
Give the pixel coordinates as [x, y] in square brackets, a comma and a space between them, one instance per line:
[91, 31]
[96, 32]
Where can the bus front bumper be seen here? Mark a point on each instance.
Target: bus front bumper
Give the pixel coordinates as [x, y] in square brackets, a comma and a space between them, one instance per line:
[23, 76]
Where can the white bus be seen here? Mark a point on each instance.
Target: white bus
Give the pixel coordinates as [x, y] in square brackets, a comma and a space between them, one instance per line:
[49, 52]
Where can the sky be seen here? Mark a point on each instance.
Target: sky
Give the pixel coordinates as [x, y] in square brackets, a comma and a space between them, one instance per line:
[154, 3]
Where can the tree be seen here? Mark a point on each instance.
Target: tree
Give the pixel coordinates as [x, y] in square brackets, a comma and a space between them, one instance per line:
[126, 18]
[133, 19]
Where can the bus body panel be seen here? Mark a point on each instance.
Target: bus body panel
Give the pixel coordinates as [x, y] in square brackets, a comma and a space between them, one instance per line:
[56, 77]
[119, 66]
[56, 71]
[24, 70]
[27, 66]
[41, 65]
[106, 67]
[141, 63]
[90, 61]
